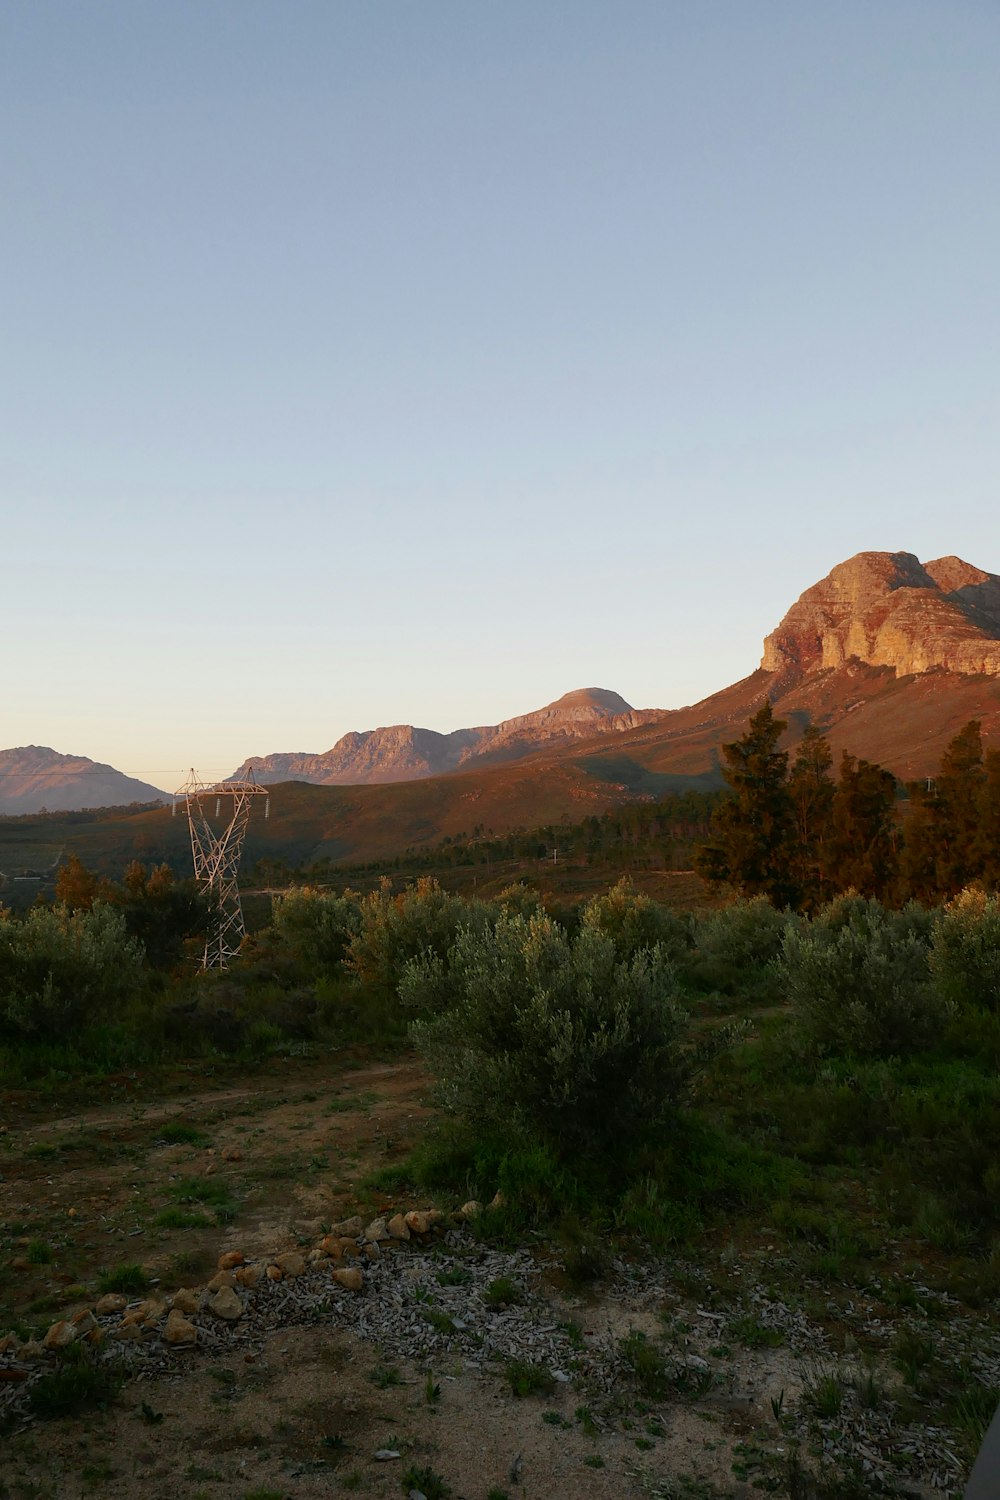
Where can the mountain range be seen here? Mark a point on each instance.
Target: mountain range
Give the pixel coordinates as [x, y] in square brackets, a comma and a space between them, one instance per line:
[401, 752]
[888, 656]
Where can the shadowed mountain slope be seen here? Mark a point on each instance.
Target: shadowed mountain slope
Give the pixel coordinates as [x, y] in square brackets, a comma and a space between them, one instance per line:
[33, 777]
[402, 752]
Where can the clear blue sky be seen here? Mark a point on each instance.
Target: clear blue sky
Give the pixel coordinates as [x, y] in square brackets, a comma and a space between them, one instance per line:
[389, 362]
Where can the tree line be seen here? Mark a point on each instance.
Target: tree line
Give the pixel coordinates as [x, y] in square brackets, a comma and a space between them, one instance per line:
[793, 831]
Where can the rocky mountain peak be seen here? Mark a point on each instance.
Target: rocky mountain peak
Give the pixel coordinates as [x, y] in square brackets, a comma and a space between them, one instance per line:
[887, 609]
[401, 752]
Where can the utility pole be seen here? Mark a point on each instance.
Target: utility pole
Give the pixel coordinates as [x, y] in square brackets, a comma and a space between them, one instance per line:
[215, 852]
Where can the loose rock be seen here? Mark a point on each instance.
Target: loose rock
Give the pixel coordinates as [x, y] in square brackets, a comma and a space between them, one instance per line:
[179, 1330]
[59, 1335]
[349, 1277]
[111, 1302]
[351, 1228]
[226, 1304]
[291, 1263]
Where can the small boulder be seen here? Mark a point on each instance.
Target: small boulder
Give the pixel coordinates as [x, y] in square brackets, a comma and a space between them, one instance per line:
[274, 1273]
[248, 1275]
[232, 1153]
[290, 1264]
[226, 1304]
[352, 1228]
[373, 1251]
[419, 1222]
[184, 1301]
[229, 1259]
[349, 1277]
[377, 1230]
[30, 1352]
[84, 1322]
[398, 1228]
[148, 1312]
[59, 1335]
[221, 1279]
[111, 1302]
[471, 1210]
[178, 1329]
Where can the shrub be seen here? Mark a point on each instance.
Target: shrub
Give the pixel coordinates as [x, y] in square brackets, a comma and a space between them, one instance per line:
[60, 969]
[317, 926]
[736, 945]
[395, 929]
[859, 912]
[965, 952]
[634, 922]
[862, 988]
[553, 1038]
[520, 899]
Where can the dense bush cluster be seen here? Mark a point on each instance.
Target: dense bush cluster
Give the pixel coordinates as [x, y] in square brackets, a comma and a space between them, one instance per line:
[60, 969]
[603, 1050]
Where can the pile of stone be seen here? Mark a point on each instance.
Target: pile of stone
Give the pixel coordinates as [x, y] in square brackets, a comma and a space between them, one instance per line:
[345, 1251]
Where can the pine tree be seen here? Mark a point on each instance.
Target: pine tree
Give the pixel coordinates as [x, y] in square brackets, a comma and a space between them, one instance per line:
[987, 845]
[811, 789]
[959, 784]
[752, 839]
[944, 848]
[863, 841]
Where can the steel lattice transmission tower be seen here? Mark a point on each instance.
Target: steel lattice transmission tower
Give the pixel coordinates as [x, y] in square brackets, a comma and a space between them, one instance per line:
[216, 853]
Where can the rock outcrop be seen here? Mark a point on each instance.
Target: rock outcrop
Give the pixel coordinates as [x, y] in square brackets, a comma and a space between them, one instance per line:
[401, 752]
[886, 609]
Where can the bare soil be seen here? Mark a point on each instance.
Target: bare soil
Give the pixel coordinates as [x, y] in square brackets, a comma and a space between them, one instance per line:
[295, 1413]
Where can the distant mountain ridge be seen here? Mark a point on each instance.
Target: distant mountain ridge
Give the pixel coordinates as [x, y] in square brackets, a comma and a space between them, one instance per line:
[402, 752]
[888, 656]
[33, 777]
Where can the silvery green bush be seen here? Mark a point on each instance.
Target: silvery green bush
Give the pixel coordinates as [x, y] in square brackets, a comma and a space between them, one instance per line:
[864, 987]
[318, 926]
[965, 951]
[60, 970]
[397, 928]
[633, 922]
[542, 1036]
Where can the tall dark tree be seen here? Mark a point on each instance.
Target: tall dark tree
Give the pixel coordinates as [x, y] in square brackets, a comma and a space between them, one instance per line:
[959, 784]
[863, 829]
[752, 833]
[987, 846]
[811, 789]
[943, 845]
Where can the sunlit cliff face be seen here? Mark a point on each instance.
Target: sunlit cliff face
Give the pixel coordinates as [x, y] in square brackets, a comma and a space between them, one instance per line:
[889, 610]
